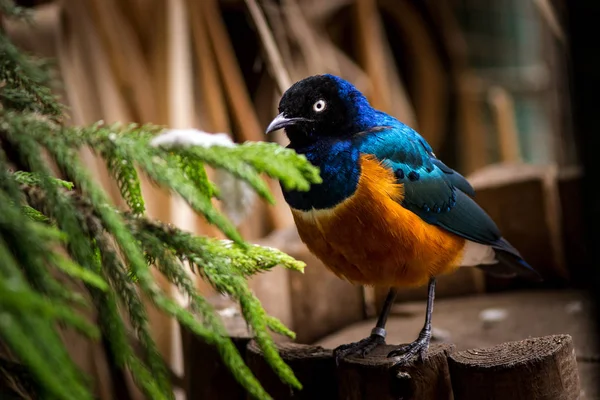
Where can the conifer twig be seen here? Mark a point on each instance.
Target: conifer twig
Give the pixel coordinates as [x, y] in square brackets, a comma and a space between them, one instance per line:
[57, 225]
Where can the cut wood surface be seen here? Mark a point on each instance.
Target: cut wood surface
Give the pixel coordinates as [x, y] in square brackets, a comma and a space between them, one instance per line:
[373, 376]
[533, 369]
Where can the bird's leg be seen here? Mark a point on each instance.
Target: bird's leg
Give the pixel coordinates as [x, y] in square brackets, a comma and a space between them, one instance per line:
[420, 346]
[377, 336]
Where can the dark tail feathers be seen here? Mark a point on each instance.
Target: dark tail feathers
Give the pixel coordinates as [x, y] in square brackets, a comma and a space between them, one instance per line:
[511, 263]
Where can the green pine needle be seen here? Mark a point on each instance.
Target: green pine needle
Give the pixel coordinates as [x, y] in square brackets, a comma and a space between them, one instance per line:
[35, 215]
[77, 271]
[24, 300]
[31, 178]
[277, 326]
[127, 178]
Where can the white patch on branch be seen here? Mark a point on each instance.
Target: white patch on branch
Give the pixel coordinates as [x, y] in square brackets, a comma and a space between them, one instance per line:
[237, 197]
[192, 137]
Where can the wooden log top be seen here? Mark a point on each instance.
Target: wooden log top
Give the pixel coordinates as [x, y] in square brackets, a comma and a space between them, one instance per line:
[510, 354]
[375, 377]
[543, 368]
[377, 359]
[291, 352]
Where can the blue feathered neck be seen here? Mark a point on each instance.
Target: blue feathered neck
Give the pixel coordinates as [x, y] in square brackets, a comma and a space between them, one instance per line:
[337, 153]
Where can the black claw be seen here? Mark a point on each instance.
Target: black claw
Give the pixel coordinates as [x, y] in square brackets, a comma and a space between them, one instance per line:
[362, 347]
[406, 353]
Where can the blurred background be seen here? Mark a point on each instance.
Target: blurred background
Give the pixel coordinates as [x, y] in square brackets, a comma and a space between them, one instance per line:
[484, 81]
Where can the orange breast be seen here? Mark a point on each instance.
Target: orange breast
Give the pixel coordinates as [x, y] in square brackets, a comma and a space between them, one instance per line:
[371, 239]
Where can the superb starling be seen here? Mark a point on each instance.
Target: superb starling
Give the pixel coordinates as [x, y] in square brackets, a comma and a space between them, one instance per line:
[388, 212]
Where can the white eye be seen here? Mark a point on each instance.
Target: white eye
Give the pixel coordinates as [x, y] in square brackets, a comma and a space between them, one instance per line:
[319, 106]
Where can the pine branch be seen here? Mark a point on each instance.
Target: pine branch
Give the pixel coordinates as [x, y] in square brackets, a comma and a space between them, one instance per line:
[111, 252]
[22, 84]
[165, 171]
[225, 278]
[202, 251]
[162, 163]
[114, 224]
[35, 239]
[126, 177]
[30, 178]
[172, 270]
[31, 334]
[130, 299]
[285, 165]
[109, 318]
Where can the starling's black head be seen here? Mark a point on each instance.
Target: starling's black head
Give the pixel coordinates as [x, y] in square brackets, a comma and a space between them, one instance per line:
[321, 106]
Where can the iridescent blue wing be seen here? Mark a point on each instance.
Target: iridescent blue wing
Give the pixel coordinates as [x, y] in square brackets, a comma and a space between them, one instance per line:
[435, 192]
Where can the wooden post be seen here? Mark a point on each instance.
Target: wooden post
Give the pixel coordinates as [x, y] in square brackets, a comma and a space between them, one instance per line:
[573, 217]
[312, 365]
[533, 369]
[372, 377]
[206, 377]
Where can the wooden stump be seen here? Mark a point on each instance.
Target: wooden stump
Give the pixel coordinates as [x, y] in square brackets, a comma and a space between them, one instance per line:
[312, 365]
[206, 377]
[533, 369]
[372, 378]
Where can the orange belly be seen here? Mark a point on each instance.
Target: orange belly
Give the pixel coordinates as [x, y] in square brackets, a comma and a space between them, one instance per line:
[371, 239]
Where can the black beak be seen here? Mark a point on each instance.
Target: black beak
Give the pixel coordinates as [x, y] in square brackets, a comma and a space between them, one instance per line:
[281, 121]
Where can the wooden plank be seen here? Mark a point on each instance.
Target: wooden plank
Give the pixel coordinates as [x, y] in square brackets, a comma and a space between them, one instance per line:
[231, 75]
[370, 38]
[386, 92]
[125, 58]
[429, 83]
[209, 87]
[313, 366]
[542, 368]
[274, 58]
[372, 377]
[503, 108]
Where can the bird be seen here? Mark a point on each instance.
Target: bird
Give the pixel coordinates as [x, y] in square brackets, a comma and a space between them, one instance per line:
[387, 211]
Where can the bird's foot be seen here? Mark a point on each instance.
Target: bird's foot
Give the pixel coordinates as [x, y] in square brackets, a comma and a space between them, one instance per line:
[362, 347]
[419, 347]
